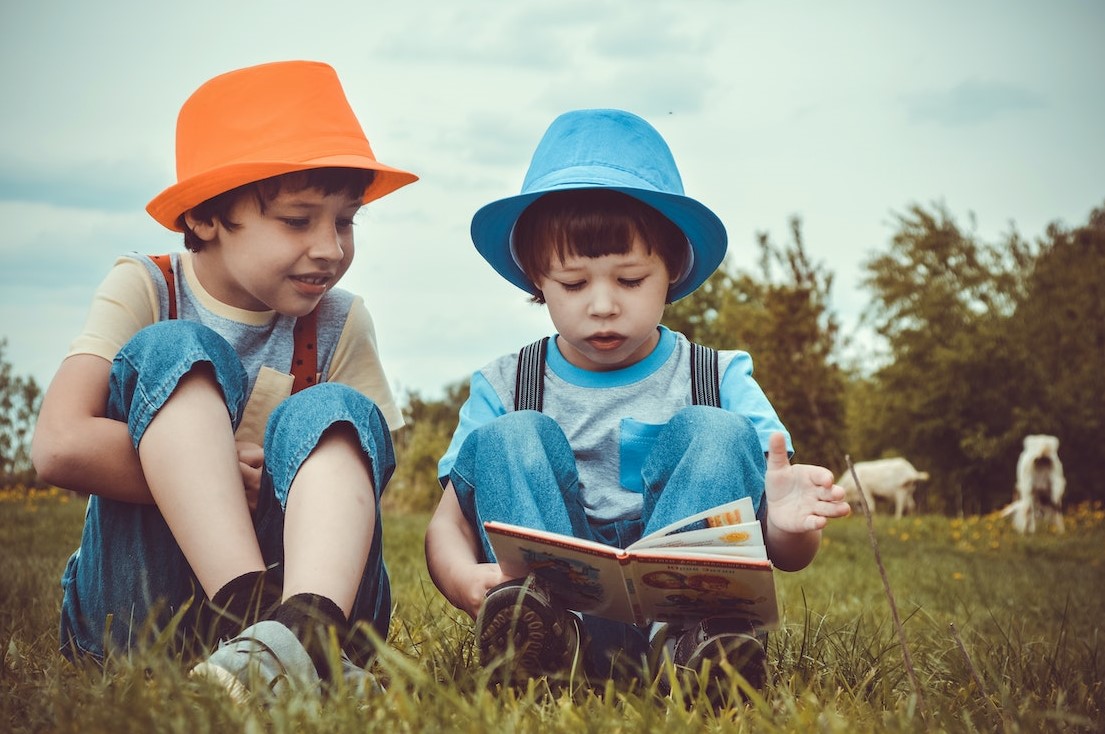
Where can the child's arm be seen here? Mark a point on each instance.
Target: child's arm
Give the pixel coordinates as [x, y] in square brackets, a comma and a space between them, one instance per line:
[75, 446]
[453, 560]
[800, 501]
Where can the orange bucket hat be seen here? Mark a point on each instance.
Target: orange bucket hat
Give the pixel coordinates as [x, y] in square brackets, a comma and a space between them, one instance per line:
[262, 121]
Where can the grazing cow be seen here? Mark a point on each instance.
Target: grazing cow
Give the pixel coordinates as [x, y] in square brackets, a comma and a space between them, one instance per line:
[1040, 485]
[892, 479]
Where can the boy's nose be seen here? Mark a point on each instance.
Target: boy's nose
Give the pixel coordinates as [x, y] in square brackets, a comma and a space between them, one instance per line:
[603, 303]
[327, 244]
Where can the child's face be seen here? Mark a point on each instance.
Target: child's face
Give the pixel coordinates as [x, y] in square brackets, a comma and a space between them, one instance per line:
[606, 309]
[284, 258]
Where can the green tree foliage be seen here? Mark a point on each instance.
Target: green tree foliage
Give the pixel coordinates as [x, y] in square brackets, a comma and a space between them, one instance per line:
[419, 445]
[938, 303]
[1060, 324]
[19, 401]
[966, 323]
[783, 318]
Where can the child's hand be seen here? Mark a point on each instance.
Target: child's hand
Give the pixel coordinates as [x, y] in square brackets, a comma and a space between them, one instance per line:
[251, 459]
[481, 578]
[802, 497]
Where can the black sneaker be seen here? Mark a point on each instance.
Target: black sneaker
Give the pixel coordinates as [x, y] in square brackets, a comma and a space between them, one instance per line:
[729, 645]
[524, 634]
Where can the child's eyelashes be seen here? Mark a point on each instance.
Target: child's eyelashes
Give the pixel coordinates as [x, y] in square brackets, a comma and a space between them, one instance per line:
[578, 285]
[342, 225]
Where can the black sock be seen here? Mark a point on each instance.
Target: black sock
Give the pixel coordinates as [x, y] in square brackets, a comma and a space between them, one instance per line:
[239, 603]
[311, 617]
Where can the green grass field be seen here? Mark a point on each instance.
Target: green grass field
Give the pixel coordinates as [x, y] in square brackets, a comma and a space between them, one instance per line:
[1004, 634]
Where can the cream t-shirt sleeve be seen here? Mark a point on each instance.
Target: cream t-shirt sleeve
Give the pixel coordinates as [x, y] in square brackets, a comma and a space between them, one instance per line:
[125, 302]
[356, 362]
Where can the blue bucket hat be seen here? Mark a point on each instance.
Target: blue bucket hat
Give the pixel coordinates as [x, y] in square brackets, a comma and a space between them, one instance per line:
[604, 149]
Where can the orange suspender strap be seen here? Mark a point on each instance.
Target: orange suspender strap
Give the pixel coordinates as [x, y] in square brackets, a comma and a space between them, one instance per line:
[304, 354]
[165, 263]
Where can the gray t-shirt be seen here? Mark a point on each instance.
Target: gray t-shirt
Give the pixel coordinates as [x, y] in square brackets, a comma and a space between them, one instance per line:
[611, 418]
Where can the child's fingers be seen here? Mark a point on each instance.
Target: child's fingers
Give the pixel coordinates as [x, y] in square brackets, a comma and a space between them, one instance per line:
[777, 452]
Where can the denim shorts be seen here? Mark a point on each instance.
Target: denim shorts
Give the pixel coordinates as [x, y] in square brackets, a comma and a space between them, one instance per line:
[129, 582]
[520, 469]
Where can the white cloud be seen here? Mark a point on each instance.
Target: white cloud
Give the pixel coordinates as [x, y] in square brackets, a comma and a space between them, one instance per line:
[972, 102]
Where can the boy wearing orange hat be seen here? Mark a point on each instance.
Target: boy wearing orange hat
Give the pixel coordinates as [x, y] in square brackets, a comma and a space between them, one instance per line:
[225, 408]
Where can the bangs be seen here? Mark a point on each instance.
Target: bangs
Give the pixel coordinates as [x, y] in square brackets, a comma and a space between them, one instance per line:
[593, 223]
[587, 232]
[352, 182]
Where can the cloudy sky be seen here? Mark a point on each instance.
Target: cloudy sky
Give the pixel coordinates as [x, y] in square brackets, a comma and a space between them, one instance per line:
[840, 113]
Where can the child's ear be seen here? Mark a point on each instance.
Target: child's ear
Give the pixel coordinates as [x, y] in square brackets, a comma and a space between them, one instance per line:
[203, 228]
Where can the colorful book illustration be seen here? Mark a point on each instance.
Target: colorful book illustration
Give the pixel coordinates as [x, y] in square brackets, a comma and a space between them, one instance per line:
[711, 564]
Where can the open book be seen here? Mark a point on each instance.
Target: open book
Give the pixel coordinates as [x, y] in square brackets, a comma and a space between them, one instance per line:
[710, 564]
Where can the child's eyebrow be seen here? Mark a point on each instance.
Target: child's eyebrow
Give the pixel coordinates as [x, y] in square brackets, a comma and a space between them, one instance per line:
[296, 201]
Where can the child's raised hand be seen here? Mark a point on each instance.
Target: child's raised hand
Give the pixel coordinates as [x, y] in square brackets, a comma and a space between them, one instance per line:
[800, 497]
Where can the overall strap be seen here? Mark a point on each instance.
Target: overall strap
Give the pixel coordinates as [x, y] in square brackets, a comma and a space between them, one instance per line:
[165, 264]
[705, 383]
[305, 332]
[529, 383]
[305, 352]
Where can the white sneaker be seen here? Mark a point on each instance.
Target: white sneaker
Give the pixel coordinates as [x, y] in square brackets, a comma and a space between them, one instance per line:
[266, 659]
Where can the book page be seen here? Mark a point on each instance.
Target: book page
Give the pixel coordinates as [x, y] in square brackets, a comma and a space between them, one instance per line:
[744, 539]
[684, 589]
[736, 512]
[583, 575]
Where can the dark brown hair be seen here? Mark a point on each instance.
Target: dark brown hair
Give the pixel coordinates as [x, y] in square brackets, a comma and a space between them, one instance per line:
[350, 181]
[593, 223]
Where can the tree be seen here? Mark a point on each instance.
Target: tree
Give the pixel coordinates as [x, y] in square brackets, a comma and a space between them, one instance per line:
[1060, 325]
[950, 396]
[19, 402]
[785, 321]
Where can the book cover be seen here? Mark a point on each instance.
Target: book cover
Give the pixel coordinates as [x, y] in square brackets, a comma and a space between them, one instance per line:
[711, 564]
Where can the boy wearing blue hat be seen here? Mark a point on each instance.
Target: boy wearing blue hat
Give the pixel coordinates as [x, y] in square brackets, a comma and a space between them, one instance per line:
[600, 431]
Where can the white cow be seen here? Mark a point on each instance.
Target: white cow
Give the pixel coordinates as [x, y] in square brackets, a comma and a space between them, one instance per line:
[1040, 485]
[893, 479]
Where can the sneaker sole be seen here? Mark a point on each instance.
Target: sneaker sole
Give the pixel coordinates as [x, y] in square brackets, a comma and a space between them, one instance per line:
[222, 677]
[744, 653]
[520, 628]
[522, 631]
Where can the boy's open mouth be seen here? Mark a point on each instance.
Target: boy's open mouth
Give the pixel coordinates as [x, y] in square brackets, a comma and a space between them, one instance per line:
[312, 284]
[606, 342]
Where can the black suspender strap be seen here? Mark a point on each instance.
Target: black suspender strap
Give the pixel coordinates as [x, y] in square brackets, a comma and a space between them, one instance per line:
[705, 385]
[529, 383]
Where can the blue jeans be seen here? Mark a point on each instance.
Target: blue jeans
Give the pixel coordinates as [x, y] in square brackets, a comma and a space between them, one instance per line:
[520, 469]
[129, 578]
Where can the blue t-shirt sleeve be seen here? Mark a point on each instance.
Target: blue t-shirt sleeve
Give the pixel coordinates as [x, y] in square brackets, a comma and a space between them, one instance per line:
[742, 394]
[482, 406]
